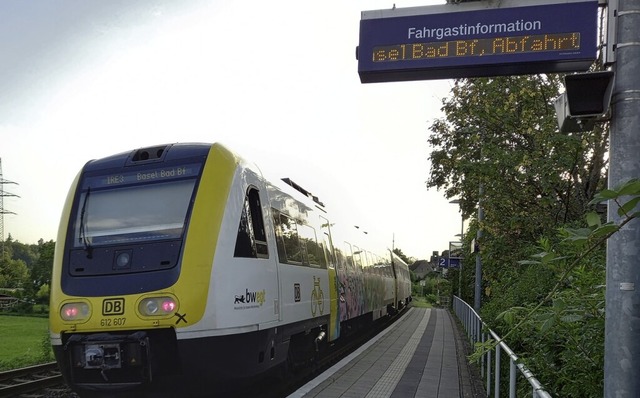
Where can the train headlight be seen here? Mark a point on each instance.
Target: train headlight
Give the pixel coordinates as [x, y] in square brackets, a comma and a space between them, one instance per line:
[150, 307]
[123, 260]
[77, 311]
[158, 306]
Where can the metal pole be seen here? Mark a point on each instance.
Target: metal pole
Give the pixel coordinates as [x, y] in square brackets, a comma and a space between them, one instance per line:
[478, 288]
[489, 373]
[462, 259]
[457, 201]
[512, 379]
[622, 308]
[496, 377]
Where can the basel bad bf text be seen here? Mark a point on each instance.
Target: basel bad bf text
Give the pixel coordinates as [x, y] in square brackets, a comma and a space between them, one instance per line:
[563, 42]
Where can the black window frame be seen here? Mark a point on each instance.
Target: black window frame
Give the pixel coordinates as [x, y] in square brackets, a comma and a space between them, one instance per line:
[251, 240]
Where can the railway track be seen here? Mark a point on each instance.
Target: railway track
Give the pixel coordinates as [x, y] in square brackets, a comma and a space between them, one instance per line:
[33, 380]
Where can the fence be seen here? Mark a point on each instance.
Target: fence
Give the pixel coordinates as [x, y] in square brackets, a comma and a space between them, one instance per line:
[7, 302]
[477, 332]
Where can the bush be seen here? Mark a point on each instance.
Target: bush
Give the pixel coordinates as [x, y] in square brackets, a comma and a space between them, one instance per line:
[431, 298]
[23, 307]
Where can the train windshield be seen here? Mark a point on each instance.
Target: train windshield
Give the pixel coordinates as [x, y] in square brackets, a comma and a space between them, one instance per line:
[133, 214]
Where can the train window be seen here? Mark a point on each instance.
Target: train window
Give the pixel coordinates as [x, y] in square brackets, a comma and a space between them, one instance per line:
[357, 259]
[289, 249]
[387, 268]
[133, 214]
[341, 261]
[328, 252]
[312, 252]
[349, 256]
[366, 259]
[297, 243]
[327, 243]
[282, 256]
[252, 239]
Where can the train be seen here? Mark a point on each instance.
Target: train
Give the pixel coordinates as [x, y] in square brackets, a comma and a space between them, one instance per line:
[181, 268]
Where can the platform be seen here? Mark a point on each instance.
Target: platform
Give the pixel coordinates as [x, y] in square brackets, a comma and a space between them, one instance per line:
[421, 355]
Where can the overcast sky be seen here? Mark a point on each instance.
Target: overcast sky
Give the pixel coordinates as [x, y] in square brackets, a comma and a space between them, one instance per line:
[275, 81]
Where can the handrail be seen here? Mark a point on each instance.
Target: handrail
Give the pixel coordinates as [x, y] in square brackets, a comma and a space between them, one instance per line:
[473, 325]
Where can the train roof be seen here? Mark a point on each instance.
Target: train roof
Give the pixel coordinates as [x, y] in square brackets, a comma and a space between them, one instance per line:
[151, 154]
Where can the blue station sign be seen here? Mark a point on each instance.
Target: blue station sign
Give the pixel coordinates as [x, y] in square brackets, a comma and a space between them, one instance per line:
[449, 262]
[473, 40]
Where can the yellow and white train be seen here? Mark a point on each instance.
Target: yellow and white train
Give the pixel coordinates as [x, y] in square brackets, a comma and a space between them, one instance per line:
[180, 267]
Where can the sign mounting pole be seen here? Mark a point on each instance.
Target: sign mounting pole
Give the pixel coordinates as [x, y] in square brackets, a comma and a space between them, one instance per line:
[622, 304]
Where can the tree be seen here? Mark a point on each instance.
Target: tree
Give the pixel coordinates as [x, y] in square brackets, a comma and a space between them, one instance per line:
[42, 295]
[20, 251]
[13, 273]
[403, 257]
[501, 134]
[27, 266]
[41, 270]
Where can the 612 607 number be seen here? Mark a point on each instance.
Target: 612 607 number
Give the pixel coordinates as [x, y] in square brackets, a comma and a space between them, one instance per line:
[108, 322]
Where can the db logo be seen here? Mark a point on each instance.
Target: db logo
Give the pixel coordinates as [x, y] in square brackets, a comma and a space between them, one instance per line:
[113, 306]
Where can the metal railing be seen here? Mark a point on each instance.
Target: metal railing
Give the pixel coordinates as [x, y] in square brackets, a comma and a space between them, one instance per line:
[474, 327]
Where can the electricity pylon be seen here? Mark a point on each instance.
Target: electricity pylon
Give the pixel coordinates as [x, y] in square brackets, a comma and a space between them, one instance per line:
[3, 211]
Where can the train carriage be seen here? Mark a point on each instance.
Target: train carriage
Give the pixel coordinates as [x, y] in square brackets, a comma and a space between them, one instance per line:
[402, 281]
[181, 268]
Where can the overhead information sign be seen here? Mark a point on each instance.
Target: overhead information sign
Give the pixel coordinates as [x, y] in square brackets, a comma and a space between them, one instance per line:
[467, 40]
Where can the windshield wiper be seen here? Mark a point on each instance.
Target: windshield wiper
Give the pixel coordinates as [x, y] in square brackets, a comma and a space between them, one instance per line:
[83, 238]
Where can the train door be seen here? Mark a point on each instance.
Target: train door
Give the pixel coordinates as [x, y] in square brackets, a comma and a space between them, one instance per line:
[396, 278]
[334, 282]
[250, 281]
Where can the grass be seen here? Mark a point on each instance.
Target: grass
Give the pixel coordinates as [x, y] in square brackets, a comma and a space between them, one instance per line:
[23, 341]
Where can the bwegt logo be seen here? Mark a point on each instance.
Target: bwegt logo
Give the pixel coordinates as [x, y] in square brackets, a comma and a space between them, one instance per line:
[251, 297]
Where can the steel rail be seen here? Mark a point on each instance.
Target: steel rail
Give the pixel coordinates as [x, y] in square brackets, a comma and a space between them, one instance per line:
[14, 382]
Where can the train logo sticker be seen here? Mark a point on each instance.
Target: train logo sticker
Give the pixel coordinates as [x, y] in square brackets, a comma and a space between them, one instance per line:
[249, 299]
[113, 306]
[317, 298]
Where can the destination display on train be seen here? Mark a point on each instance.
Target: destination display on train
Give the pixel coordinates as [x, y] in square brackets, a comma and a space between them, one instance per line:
[148, 175]
[485, 42]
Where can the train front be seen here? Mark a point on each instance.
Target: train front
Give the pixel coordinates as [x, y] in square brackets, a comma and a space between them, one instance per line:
[133, 262]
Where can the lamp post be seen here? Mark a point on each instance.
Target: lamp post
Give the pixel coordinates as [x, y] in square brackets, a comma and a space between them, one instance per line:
[478, 281]
[457, 202]
[478, 289]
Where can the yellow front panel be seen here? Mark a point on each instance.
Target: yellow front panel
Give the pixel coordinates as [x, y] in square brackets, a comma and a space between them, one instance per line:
[204, 230]
[193, 284]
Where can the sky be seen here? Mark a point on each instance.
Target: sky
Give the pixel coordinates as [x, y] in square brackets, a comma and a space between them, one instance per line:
[275, 82]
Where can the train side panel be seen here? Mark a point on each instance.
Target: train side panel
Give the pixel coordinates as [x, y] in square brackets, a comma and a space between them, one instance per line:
[243, 294]
[300, 253]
